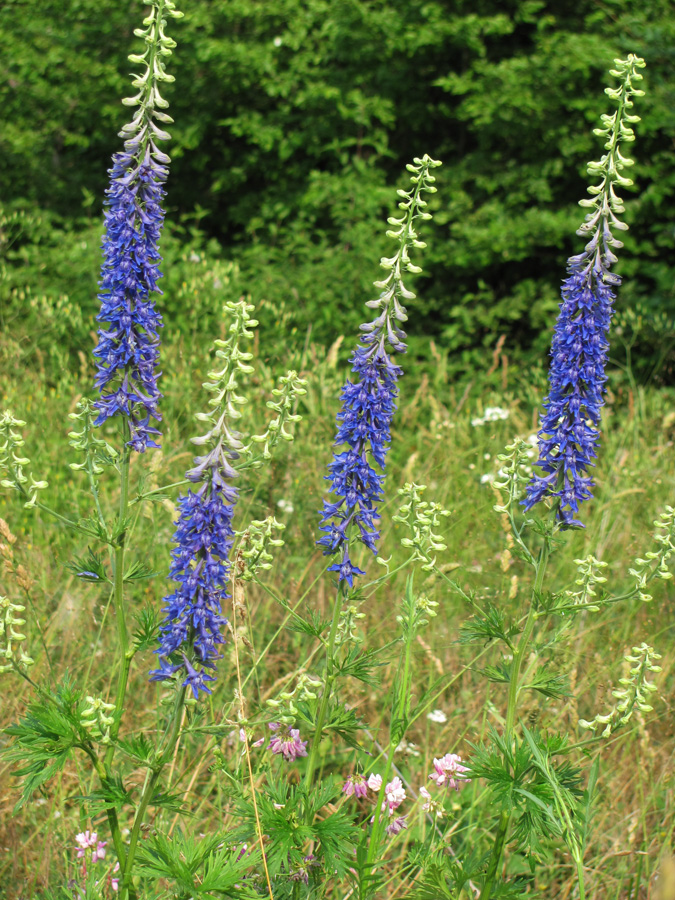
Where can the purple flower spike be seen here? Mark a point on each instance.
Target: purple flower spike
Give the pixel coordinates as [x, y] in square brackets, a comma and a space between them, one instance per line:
[127, 354]
[369, 401]
[192, 631]
[570, 427]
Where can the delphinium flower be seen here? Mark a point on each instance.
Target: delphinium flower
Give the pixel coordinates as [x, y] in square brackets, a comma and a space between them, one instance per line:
[569, 432]
[449, 771]
[286, 742]
[127, 353]
[369, 400]
[192, 630]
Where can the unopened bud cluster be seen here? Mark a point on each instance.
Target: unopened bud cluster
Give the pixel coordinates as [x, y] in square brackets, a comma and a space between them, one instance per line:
[256, 541]
[421, 518]
[11, 636]
[588, 578]
[644, 570]
[13, 463]
[347, 625]
[225, 401]
[291, 388]
[514, 474]
[87, 441]
[285, 709]
[96, 719]
[633, 693]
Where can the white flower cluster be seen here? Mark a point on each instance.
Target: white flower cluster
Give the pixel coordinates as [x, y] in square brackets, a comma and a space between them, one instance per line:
[256, 541]
[421, 518]
[10, 621]
[643, 569]
[491, 414]
[633, 693]
[13, 463]
[588, 576]
[95, 719]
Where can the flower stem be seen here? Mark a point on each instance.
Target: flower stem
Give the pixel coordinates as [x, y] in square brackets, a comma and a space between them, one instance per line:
[330, 679]
[126, 887]
[118, 600]
[511, 709]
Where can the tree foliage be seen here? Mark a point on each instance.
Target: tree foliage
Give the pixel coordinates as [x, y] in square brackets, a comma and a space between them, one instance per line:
[294, 117]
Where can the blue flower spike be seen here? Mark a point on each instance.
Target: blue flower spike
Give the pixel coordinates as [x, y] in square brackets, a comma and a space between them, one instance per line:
[191, 634]
[570, 428]
[369, 399]
[127, 353]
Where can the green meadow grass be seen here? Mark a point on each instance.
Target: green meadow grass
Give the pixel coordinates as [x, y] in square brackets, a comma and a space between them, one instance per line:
[70, 623]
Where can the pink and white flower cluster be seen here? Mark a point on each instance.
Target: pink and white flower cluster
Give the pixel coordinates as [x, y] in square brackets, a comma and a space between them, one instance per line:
[449, 771]
[286, 742]
[394, 795]
[88, 841]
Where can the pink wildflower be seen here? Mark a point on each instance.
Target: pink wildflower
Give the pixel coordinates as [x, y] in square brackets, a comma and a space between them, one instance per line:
[430, 805]
[397, 826]
[115, 880]
[375, 783]
[450, 771]
[98, 852]
[287, 742]
[355, 784]
[86, 840]
[394, 795]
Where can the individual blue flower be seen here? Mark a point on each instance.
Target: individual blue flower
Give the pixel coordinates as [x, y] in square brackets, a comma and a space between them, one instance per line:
[369, 401]
[570, 428]
[127, 352]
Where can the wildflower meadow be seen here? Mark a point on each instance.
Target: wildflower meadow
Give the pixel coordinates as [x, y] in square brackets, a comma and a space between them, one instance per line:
[345, 610]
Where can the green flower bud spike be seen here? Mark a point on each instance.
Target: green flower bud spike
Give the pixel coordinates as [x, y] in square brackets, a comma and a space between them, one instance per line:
[13, 463]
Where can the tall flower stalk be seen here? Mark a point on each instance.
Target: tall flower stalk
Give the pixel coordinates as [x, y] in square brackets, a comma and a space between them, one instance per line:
[192, 631]
[569, 433]
[127, 352]
[369, 400]
[364, 420]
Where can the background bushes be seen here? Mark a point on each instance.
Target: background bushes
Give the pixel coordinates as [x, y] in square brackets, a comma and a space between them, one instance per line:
[294, 119]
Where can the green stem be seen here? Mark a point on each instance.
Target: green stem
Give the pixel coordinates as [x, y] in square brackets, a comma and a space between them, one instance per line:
[330, 679]
[118, 600]
[126, 888]
[400, 715]
[511, 709]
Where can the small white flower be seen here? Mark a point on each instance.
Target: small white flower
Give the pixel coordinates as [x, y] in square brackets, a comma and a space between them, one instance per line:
[277, 41]
[285, 506]
[437, 715]
[487, 478]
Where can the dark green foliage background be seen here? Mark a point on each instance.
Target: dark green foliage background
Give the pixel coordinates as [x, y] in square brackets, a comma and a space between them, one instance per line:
[294, 121]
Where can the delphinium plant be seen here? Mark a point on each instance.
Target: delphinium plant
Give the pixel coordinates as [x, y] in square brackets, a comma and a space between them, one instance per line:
[535, 790]
[317, 799]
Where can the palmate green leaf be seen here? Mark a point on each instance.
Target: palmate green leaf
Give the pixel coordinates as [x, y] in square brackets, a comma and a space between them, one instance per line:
[285, 809]
[360, 664]
[89, 567]
[313, 626]
[209, 867]
[488, 625]
[43, 740]
[138, 571]
[112, 794]
[138, 746]
[552, 685]
[499, 674]
[147, 630]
